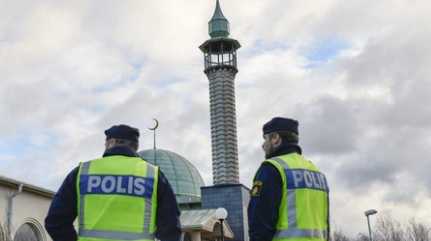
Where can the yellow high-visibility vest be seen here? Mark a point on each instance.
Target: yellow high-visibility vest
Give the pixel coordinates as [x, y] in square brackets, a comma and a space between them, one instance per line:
[117, 199]
[304, 208]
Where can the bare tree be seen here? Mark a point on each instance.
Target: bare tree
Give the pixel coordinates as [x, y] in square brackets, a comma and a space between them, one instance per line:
[417, 231]
[340, 236]
[388, 229]
[362, 237]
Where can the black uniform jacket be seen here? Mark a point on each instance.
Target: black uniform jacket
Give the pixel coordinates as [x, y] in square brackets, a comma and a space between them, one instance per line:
[63, 209]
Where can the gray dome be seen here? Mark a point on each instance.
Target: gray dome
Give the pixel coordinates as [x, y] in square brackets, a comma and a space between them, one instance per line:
[181, 174]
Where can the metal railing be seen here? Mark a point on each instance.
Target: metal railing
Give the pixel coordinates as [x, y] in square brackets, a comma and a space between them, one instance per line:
[215, 60]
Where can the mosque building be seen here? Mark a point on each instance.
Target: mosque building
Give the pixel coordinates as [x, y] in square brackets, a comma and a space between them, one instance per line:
[198, 202]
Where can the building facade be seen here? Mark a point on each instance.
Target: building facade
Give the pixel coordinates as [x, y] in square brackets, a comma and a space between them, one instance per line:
[23, 208]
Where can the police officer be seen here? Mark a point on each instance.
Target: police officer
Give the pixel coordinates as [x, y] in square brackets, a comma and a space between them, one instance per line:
[116, 197]
[289, 198]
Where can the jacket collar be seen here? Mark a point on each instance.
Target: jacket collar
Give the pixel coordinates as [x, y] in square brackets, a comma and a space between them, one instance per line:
[120, 150]
[284, 149]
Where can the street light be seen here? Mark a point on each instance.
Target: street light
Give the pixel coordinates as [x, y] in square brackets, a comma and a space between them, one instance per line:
[368, 213]
[221, 215]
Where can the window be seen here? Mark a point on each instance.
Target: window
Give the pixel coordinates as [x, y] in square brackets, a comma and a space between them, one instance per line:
[28, 232]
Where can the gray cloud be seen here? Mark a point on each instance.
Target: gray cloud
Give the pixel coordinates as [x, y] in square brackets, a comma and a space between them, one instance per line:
[329, 126]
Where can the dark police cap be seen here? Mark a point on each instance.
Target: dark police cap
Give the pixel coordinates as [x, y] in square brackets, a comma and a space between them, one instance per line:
[123, 132]
[281, 124]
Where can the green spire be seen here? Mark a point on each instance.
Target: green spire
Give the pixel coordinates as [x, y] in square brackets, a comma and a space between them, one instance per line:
[218, 14]
[218, 26]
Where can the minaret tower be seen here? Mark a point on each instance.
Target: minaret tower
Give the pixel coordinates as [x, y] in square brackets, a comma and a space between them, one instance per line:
[221, 68]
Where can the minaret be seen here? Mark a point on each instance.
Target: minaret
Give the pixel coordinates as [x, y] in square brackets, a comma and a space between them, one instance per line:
[221, 68]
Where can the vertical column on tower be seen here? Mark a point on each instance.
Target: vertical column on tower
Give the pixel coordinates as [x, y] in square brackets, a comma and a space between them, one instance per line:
[223, 125]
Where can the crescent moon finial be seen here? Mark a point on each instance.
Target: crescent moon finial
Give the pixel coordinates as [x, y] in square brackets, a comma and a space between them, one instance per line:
[156, 125]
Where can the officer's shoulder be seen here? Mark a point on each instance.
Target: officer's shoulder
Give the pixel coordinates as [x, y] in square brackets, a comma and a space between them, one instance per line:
[268, 165]
[267, 170]
[75, 171]
[311, 164]
[152, 165]
[148, 165]
[266, 175]
[264, 166]
[147, 162]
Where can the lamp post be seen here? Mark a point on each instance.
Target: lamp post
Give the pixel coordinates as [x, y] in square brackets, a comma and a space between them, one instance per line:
[221, 215]
[368, 213]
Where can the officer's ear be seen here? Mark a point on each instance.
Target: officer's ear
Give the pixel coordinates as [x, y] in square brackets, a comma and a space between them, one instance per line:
[275, 139]
[109, 143]
[134, 146]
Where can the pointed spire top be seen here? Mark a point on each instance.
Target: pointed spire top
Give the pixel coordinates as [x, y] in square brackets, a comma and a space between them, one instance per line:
[218, 26]
[218, 14]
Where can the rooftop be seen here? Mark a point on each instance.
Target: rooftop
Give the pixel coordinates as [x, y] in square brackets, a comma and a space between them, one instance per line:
[14, 184]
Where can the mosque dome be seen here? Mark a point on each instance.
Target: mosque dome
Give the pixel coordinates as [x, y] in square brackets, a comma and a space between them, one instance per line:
[181, 174]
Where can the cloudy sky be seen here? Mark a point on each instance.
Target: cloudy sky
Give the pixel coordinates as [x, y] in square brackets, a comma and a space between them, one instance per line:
[356, 74]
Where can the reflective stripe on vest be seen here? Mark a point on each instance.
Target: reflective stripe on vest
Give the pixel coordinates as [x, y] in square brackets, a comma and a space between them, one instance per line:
[301, 233]
[116, 235]
[293, 231]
